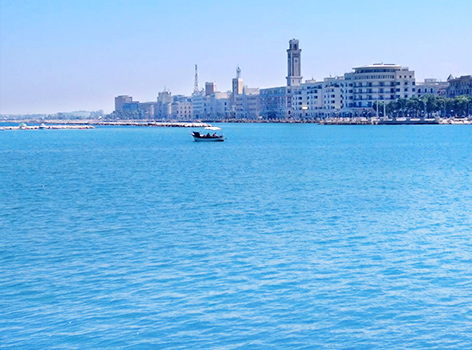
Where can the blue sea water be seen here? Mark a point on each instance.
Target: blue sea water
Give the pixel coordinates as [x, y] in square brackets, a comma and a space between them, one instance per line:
[283, 237]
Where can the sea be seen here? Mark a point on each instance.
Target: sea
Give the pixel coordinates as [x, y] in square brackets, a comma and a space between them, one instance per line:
[285, 236]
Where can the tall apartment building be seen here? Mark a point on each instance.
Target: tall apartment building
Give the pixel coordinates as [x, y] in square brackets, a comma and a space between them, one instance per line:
[378, 82]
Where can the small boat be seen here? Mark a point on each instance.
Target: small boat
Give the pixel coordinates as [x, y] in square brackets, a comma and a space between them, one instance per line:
[208, 137]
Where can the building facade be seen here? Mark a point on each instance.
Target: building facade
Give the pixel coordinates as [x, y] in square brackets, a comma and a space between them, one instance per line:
[378, 82]
[182, 108]
[459, 86]
[431, 87]
[120, 101]
[274, 102]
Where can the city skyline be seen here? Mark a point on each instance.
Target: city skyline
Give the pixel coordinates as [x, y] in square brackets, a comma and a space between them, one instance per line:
[62, 57]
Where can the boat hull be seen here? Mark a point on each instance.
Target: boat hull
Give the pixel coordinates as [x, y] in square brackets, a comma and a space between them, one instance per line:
[208, 139]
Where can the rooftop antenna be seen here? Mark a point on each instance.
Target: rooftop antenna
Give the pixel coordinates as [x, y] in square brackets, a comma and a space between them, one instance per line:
[195, 84]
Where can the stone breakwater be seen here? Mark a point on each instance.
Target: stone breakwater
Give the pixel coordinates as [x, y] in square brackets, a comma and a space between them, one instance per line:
[42, 127]
[90, 125]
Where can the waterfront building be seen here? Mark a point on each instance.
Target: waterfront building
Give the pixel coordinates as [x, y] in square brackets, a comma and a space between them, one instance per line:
[378, 82]
[199, 105]
[216, 106]
[309, 101]
[459, 86]
[163, 108]
[181, 108]
[431, 87]
[219, 105]
[247, 105]
[120, 101]
[274, 102]
[333, 94]
[318, 99]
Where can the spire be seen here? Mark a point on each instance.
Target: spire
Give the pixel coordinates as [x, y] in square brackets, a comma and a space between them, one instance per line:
[195, 85]
[238, 73]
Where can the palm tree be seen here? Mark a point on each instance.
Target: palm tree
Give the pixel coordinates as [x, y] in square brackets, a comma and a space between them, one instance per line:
[401, 105]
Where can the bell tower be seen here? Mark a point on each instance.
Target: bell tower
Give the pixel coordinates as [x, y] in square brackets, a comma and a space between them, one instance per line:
[294, 77]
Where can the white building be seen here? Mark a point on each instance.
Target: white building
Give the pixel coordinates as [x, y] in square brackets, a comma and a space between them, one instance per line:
[199, 105]
[378, 82]
[181, 108]
[247, 105]
[219, 106]
[216, 106]
[431, 87]
[163, 107]
[318, 99]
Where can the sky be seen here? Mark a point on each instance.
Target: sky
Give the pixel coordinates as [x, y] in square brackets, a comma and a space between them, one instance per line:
[59, 56]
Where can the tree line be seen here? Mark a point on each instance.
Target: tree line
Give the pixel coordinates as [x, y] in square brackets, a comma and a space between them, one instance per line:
[428, 106]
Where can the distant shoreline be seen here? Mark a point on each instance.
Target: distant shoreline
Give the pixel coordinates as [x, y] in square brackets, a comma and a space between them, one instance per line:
[205, 123]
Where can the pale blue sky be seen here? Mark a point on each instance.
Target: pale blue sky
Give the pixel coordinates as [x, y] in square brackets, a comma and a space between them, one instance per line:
[58, 55]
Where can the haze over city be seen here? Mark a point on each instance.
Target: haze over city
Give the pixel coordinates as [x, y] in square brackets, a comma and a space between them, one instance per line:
[64, 56]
